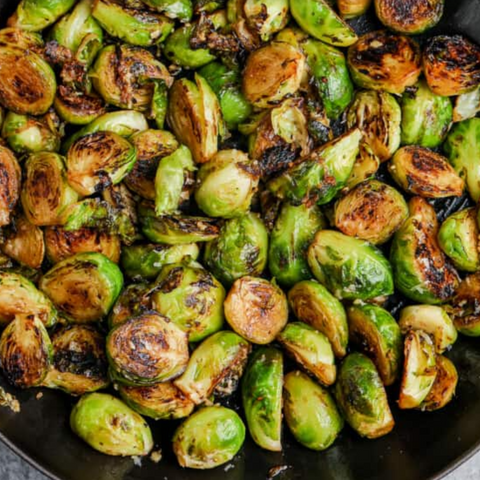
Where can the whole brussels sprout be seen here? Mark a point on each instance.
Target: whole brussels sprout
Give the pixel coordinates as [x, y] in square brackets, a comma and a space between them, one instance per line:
[109, 426]
[382, 60]
[209, 438]
[84, 286]
[443, 389]
[353, 8]
[310, 412]
[176, 9]
[365, 167]
[262, 398]
[11, 183]
[464, 308]
[23, 39]
[134, 300]
[361, 397]
[467, 105]
[240, 249]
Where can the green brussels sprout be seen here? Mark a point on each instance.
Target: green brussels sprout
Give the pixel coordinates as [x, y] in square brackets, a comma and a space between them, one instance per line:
[467, 105]
[321, 175]
[146, 350]
[421, 271]
[426, 117]
[240, 249]
[311, 350]
[464, 308]
[109, 426]
[79, 361]
[458, 237]
[26, 352]
[350, 268]
[420, 171]
[23, 39]
[159, 104]
[310, 412]
[212, 361]
[365, 167]
[89, 213]
[432, 320]
[256, 309]
[77, 108]
[378, 116]
[133, 301]
[361, 397]
[27, 82]
[262, 398]
[226, 184]
[162, 401]
[84, 286]
[313, 304]
[290, 238]
[176, 9]
[266, 17]
[419, 369]
[451, 65]
[353, 8]
[382, 60]
[462, 147]
[209, 438]
[207, 5]
[372, 211]
[191, 297]
[378, 335]
[11, 184]
[443, 389]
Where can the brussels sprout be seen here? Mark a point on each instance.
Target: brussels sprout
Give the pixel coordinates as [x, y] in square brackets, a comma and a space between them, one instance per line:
[256, 309]
[10, 175]
[421, 271]
[77, 108]
[350, 268]
[376, 332]
[209, 438]
[310, 412]
[372, 211]
[180, 9]
[443, 389]
[194, 117]
[79, 361]
[84, 286]
[385, 61]
[353, 8]
[432, 320]
[266, 17]
[426, 117]
[458, 237]
[321, 175]
[89, 213]
[464, 309]
[23, 39]
[378, 116]
[240, 249]
[462, 148]
[365, 167]
[207, 5]
[133, 301]
[451, 65]
[109, 426]
[191, 297]
[26, 352]
[467, 105]
[262, 398]
[419, 369]
[213, 360]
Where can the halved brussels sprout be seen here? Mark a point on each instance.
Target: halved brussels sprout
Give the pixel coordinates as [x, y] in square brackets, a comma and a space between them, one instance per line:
[353, 8]
[180, 9]
[77, 108]
[464, 309]
[272, 73]
[240, 249]
[133, 301]
[365, 167]
[266, 17]
[256, 309]
[350, 268]
[372, 211]
[432, 320]
[109, 426]
[89, 213]
[451, 65]
[313, 304]
[385, 61]
[420, 171]
[209, 438]
[376, 332]
[84, 286]
[443, 389]
[79, 361]
[10, 174]
[361, 397]
[419, 369]
[458, 237]
[467, 105]
[26, 352]
[262, 398]
[378, 116]
[310, 412]
[211, 362]
[426, 117]
[20, 38]
[421, 271]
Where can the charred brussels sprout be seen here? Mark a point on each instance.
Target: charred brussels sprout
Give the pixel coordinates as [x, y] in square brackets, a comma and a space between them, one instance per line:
[421, 271]
[262, 398]
[180, 9]
[353, 8]
[443, 389]
[372, 211]
[266, 17]
[84, 286]
[134, 300]
[210, 437]
[109, 426]
[240, 249]
[464, 308]
[384, 61]
[77, 108]
[365, 167]
[23, 39]
[11, 175]
[310, 412]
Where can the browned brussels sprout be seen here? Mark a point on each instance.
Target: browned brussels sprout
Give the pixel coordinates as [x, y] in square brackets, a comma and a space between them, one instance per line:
[23, 39]
[266, 17]
[353, 8]
[134, 300]
[77, 108]
[464, 308]
[443, 389]
[10, 180]
[365, 167]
